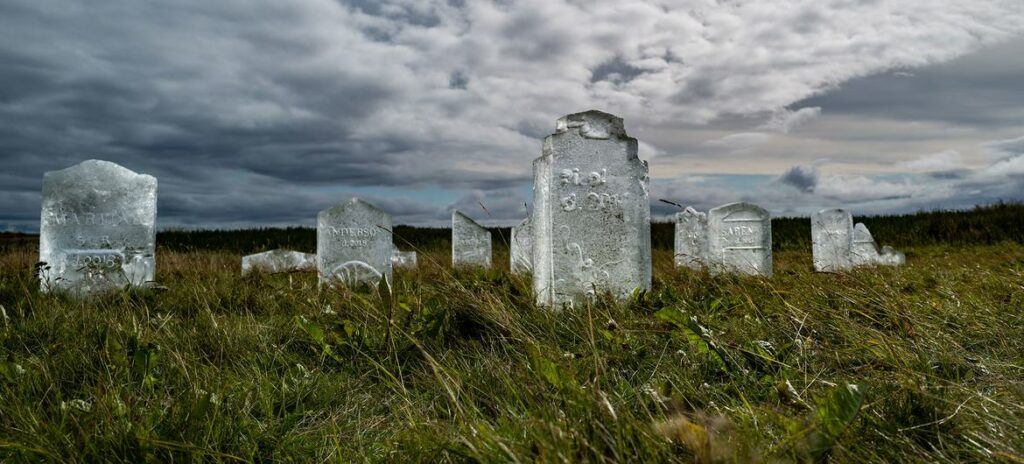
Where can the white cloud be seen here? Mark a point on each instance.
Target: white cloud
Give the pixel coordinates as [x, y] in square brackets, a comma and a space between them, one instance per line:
[738, 142]
[946, 160]
[784, 120]
[1005, 148]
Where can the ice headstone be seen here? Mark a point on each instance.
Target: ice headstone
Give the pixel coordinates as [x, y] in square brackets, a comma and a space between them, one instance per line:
[691, 244]
[866, 253]
[891, 257]
[353, 244]
[521, 248]
[403, 259]
[592, 218]
[740, 239]
[471, 242]
[278, 261]
[97, 230]
[832, 240]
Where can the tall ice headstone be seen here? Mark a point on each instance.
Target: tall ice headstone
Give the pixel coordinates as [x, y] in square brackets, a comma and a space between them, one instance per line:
[471, 242]
[353, 244]
[521, 247]
[97, 230]
[277, 261]
[740, 239]
[832, 240]
[592, 218]
[691, 244]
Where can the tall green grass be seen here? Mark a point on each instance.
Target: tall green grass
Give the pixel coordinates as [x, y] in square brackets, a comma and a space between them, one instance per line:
[923, 363]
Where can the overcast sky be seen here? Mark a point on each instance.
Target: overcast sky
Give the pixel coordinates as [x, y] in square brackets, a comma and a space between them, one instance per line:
[263, 112]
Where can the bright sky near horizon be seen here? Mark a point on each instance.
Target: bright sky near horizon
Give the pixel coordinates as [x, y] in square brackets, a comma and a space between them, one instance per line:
[261, 112]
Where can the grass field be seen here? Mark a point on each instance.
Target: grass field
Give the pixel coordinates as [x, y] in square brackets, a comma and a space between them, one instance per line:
[923, 363]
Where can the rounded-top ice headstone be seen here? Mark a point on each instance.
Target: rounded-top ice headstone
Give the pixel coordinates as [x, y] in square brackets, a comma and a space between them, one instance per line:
[521, 247]
[691, 239]
[591, 221]
[740, 239]
[471, 242]
[832, 240]
[353, 244]
[97, 229]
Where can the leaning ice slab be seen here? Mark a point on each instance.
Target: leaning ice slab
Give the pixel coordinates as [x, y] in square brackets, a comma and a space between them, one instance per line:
[832, 240]
[866, 253]
[521, 248]
[691, 241]
[740, 239]
[353, 244]
[471, 242]
[97, 231]
[277, 261]
[591, 220]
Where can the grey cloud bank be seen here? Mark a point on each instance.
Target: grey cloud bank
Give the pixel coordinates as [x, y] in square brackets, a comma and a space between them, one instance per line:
[263, 113]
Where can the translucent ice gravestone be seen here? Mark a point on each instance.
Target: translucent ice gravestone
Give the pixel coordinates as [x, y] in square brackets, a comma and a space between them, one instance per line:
[97, 231]
[471, 242]
[277, 261]
[521, 248]
[691, 243]
[353, 244]
[740, 239]
[403, 259]
[592, 218]
[865, 251]
[832, 240]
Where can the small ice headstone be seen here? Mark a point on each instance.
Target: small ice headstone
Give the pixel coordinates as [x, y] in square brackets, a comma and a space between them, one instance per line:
[891, 257]
[353, 244]
[278, 261]
[832, 240]
[691, 244]
[403, 259]
[592, 216]
[740, 239]
[866, 253]
[521, 248]
[471, 242]
[97, 230]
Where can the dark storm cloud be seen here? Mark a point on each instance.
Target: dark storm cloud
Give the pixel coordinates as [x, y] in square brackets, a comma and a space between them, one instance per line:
[981, 89]
[264, 112]
[803, 178]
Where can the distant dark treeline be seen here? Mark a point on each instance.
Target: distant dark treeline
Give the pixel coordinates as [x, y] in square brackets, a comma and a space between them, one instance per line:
[982, 225]
[303, 239]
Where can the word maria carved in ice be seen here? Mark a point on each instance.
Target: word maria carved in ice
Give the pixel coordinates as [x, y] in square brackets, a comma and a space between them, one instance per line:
[64, 217]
